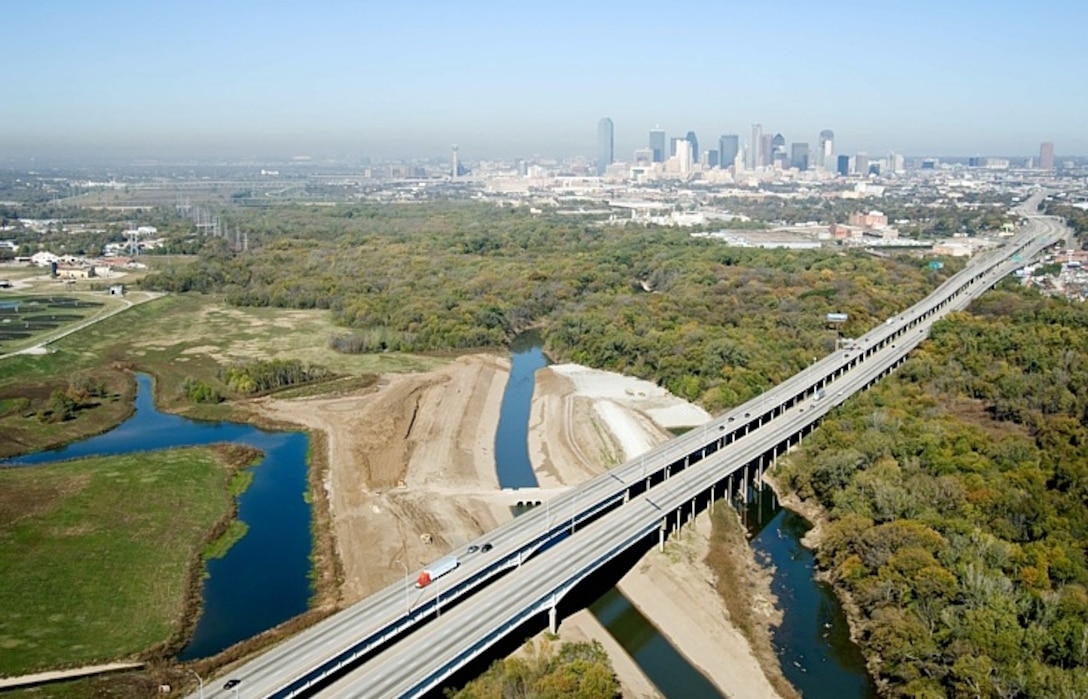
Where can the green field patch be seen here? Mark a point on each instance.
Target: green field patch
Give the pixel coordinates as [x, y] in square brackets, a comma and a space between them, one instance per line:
[98, 553]
[219, 548]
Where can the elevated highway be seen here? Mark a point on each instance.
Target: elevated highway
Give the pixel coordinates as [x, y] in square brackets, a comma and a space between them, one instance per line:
[610, 514]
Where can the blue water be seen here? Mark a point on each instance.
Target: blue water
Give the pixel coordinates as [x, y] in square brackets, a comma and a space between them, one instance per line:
[264, 578]
[813, 641]
[515, 470]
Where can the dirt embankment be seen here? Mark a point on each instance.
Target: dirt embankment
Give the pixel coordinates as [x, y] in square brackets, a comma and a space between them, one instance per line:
[412, 475]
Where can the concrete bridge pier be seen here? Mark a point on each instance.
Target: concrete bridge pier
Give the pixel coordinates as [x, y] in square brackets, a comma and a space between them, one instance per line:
[553, 618]
[711, 499]
[661, 535]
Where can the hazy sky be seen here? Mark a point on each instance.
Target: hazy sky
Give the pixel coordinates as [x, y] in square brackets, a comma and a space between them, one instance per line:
[516, 77]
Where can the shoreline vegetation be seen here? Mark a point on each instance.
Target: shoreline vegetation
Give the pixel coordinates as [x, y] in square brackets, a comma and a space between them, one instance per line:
[93, 541]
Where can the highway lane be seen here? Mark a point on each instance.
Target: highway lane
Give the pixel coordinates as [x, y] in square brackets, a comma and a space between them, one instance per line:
[370, 623]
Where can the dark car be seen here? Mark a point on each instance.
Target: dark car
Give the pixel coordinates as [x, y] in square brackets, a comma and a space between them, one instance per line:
[231, 684]
[486, 547]
[473, 549]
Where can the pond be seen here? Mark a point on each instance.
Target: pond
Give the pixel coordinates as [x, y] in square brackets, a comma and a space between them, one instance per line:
[263, 580]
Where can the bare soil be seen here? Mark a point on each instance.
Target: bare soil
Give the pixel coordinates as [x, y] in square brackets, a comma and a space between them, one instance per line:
[412, 475]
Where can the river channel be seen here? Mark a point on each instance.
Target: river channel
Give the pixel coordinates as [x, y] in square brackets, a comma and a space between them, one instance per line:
[263, 579]
[813, 641]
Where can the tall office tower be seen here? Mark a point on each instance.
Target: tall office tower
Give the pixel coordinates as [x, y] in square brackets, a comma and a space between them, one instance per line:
[657, 144]
[711, 158]
[766, 148]
[897, 163]
[799, 156]
[825, 156]
[754, 159]
[683, 155]
[455, 165]
[778, 157]
[861, 163]
[1046, 156]
[694, 144]
[606, 146]
[728, 147]
[843, 165]
[673, 145]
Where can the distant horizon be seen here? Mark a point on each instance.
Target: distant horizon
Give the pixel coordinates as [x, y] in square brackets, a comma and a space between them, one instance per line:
[205, 78]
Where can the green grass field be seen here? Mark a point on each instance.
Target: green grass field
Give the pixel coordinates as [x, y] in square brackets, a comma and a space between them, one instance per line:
[95, 554]
[174, 338]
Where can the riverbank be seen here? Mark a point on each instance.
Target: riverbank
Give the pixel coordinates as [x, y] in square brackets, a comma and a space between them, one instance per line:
[103, 575]
[412, 475]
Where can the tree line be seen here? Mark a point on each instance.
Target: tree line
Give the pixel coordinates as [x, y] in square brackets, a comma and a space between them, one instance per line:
[957, 497]
[712, 323]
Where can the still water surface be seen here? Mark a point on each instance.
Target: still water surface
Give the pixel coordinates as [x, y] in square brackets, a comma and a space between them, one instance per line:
[264, 578]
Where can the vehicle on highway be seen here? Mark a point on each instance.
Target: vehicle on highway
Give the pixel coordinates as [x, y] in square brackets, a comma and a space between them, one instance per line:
[486, 547]
[436, 570]
[231, 684]
[473, 549]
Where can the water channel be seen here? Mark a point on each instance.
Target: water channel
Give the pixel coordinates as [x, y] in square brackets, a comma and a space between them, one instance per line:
[263, 579]
[813, 641]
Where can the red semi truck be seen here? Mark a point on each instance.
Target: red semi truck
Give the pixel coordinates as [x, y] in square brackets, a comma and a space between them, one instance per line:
[437, 570]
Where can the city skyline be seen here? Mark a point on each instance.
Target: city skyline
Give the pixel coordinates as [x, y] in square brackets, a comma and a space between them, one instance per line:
[205, 78]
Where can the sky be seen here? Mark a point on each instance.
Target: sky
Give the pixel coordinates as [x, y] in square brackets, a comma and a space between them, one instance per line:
[518, 78]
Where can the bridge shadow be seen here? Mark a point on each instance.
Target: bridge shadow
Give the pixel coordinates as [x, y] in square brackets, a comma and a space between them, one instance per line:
[580, 597]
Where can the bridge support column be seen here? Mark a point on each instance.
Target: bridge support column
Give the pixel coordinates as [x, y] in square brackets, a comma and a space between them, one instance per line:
[744, 483]
[627, 496]
[729, 487]
[711, 499]
[553, 619]
[693, 509]
[661, 536]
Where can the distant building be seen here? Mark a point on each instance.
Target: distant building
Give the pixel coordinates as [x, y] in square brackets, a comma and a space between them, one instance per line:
[455, 164]
[843, 166]
[657, 145]
[755, 150]
[711, 159]
[1046, 156]
[826, 153]
[861, 163]
[690, 138]
[976, 161]
[606, 146]
[799, 156]
[766, 147]
[117, 290]
[728, 148]
[869, 221]
[643, 156]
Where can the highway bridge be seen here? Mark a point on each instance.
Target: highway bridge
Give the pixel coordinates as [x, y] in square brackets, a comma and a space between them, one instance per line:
[381, 646]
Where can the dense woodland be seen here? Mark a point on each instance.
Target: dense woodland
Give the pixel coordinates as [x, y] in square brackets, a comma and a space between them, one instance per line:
[544, 671]
[711, 323]
[957, 493]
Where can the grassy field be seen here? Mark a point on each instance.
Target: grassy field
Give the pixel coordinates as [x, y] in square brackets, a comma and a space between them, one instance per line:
[173, 338]
[96, 554]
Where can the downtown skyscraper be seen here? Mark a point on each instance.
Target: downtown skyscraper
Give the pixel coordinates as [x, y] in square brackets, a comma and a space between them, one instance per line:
[1046, 156]
[658, 144]
[728, 148]
[606, 145]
